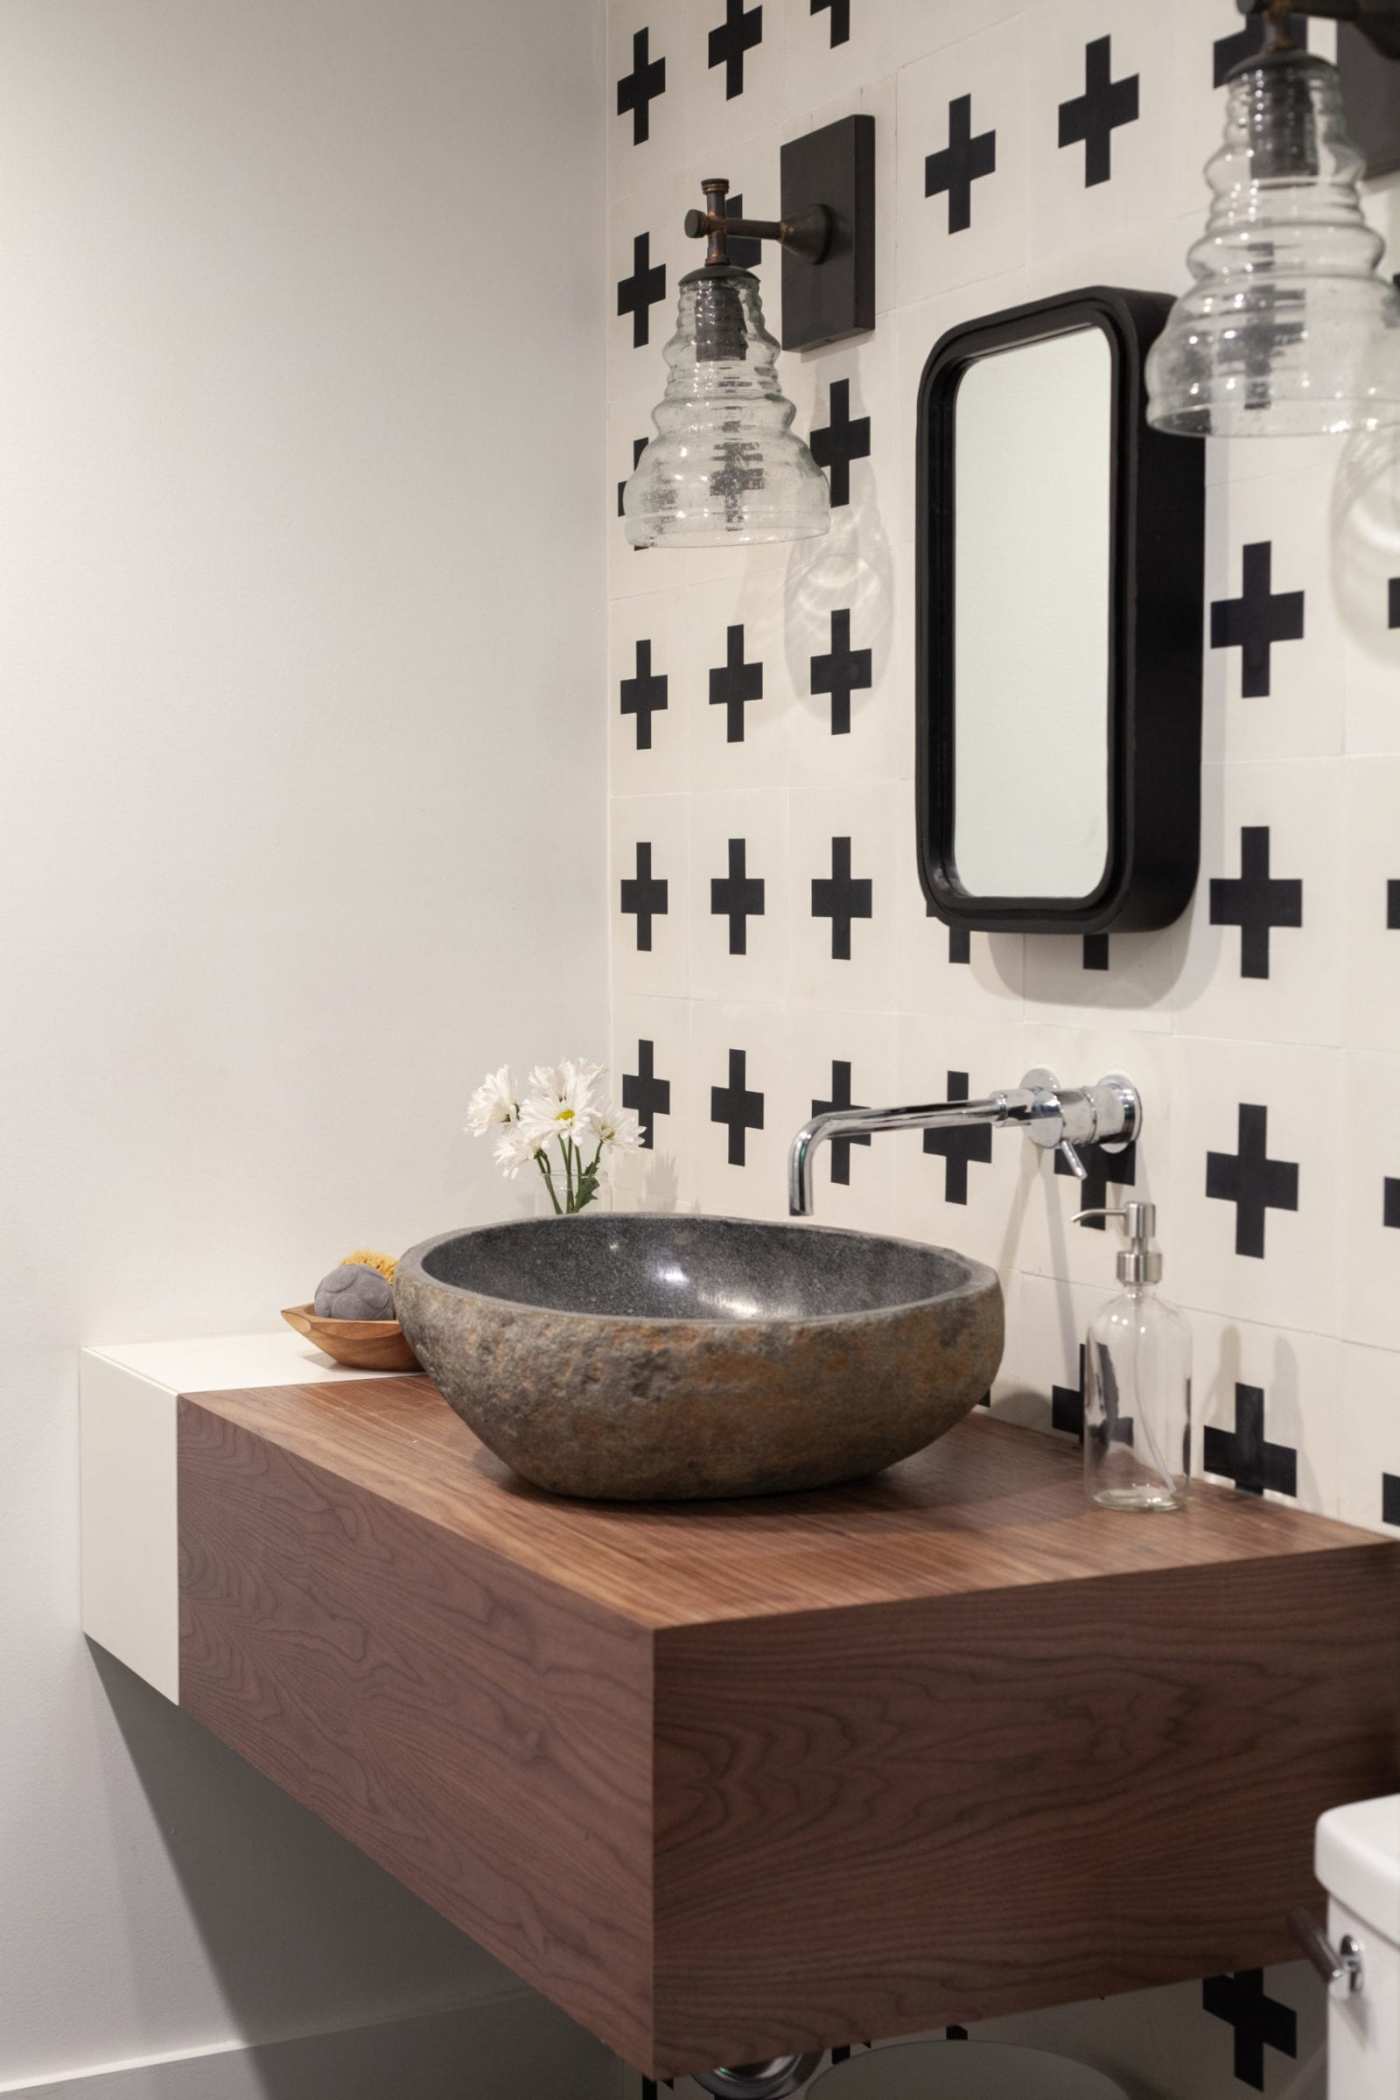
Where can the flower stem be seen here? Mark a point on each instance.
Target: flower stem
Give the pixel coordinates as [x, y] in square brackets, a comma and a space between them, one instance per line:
[543, 1164]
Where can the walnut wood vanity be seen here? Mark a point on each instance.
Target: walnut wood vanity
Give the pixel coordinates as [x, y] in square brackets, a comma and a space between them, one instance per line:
[729, 1780]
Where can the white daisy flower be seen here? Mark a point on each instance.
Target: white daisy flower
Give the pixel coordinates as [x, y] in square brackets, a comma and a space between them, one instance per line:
[515, 1149]
[493, 1102]
[560, 1102]
[617, 1128]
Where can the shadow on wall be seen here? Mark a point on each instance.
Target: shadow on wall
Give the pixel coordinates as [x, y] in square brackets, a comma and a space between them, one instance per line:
[319, 1954]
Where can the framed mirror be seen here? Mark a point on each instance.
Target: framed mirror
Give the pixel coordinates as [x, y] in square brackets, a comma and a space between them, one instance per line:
[1060, 582]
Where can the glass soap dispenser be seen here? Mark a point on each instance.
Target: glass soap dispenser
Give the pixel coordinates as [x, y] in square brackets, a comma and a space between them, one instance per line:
[1137, 1381]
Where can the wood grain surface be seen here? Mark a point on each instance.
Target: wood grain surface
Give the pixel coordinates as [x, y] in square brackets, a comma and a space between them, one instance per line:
[729, 1779]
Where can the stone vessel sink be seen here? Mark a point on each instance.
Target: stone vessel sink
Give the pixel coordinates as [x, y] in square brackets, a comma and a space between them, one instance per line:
[643, 1357]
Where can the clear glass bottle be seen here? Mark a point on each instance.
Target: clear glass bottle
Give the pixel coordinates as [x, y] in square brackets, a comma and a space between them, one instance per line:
[1137, 1381]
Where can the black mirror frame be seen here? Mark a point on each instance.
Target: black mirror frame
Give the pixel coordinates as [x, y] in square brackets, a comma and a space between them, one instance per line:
[1157, 552]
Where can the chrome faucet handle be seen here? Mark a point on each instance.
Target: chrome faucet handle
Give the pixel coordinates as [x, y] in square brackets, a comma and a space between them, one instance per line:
[1061, 1119]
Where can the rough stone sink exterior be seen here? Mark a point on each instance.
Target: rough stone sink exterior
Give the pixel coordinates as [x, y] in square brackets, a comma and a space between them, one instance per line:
[657, 1357]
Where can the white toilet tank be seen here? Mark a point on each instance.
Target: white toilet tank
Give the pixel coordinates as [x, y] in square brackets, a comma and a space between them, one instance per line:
[1358, 1863]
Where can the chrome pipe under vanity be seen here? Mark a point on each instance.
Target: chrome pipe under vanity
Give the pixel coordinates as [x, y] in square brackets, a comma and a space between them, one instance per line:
[1053, 1117]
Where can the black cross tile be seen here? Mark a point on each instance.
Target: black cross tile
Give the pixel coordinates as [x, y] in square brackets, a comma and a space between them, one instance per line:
[1255, 901]
[1259, 2021]
[643, 694]
[842, 671]
[1390, 1498]
[1245, 41]
[737, 1106]
[840, 1147]
[1258, 618]
[639, 446]
[959, 1149]
[1092, 118]
[842, 898]
[637, 90]
[959, 944]
[840, 12]
[1244, 1454]
[1392, 906]
[644, 895]
[1252, 1181]
[744, 253]
[840, 441]
[955, 167]
[1101, 1168]
[1392, 602]
[1067, 1404]
[649, 1095]
[1095, 954]
[637, 294]
[737, 896]
[738, 34]
[734, 683]
[1390, 1202]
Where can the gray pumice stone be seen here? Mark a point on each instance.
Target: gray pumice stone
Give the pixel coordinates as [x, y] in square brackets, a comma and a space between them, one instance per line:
[353, 1292]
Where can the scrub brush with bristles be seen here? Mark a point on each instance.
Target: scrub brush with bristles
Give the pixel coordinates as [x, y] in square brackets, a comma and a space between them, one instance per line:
[366, 1258]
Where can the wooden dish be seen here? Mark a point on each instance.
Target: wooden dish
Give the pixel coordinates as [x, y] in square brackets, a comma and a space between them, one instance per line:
[361, 1345]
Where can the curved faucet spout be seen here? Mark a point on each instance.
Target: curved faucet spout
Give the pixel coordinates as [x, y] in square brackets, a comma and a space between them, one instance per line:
[857, 1122]
[1052, 1116]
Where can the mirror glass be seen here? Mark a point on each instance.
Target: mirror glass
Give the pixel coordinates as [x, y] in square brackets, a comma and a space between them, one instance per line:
[1032, 568]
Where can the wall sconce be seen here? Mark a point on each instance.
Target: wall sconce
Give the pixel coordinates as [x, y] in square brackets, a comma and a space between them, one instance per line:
[725, 466]
[1289, 329]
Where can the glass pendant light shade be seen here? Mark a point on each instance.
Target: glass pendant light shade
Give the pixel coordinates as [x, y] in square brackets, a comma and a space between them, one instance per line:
[1288, 330]
[724, 467]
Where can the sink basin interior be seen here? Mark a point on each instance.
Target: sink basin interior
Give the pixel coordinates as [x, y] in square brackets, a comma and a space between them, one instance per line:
[650, 1267]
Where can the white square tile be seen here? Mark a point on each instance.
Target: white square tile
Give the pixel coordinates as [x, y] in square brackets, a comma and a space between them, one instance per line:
[837, 1059]
[1132, 976]
[733, 677]
[845, 401]
[1249, 1118]
[928, 25]
[846, 616]
[650, 886]
[1371, 864]
[652, 1073]
[1272, 678]
[740, 908]
[735, 54]
[630, 430]
[1268, 920]
[962, 163]
[833, 48]
[1370, 1439]
[1100, 118]
[648, 254]
[964, 1189]
[649, 90]
[1266, 1411]
[648, 727]
[1365, 525]
[841, 883]
[1041, 1381]
[1371, 1198]
[748, 1109]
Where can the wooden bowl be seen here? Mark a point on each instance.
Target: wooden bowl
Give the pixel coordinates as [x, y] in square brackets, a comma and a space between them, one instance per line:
[361, 1345]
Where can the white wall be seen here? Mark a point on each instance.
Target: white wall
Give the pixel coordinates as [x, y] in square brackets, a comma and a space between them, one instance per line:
[301, 782]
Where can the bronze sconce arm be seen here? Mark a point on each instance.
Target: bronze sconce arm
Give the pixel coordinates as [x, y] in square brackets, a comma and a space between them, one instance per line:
[806, 233]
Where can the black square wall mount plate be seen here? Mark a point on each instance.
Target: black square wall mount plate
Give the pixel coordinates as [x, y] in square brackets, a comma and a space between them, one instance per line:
[836, 297]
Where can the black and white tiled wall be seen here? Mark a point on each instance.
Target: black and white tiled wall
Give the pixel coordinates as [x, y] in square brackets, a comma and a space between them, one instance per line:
[771, 947]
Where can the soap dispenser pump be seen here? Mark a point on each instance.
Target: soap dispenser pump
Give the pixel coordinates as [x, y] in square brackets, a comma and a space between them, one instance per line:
[1137, 1380]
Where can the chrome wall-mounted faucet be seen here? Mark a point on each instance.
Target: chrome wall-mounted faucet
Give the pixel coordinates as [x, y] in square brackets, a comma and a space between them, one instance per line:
[1054, 1117]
